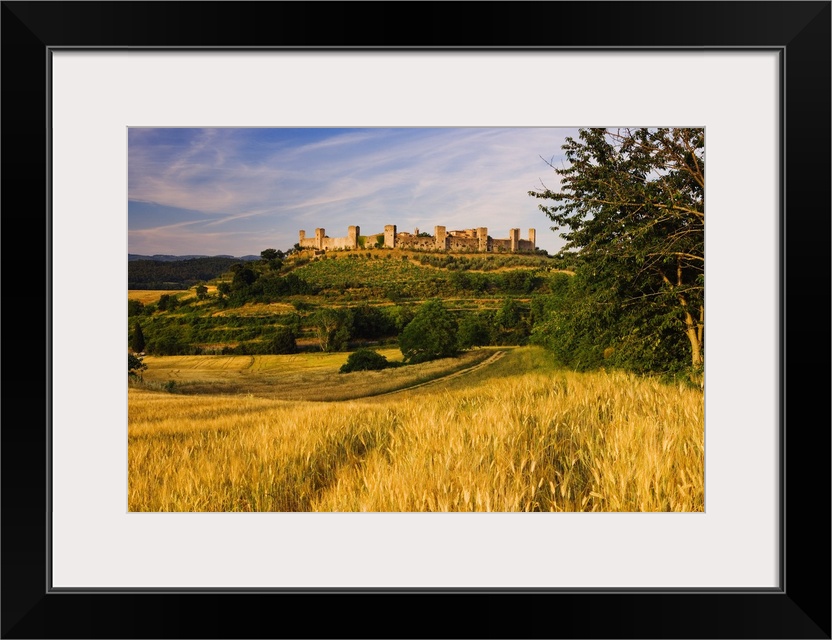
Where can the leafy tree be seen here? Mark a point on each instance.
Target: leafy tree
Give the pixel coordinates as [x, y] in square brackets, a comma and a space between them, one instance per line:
[134, 366]
[166, 302]
[275, 286]
[371, 322]
[135, 308]
[333, 328]
[273, 258]
[587, 327]
[474, 331]
[509, 315]
[281, 341]
[431, 334]
[242, 278]
[631, 207]
[364, 360]
[201, 292]
[399, 316]
[223, 289]
[137, 340]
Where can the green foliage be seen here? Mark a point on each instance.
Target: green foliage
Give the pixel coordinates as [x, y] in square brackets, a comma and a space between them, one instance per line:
[374, 276]
[174, 274]
[282, 340]
[511, 324]
[268, 255]
[509, 315]
[137, 341]
[168, 345]
[272, 287]
[431, 334]
[167, 302]
[364, 360]
[242, 278]
[586, 327]
[135, 308]
[368, 278]
[631, 207]
[474, 331]
[332, 327]
[400, 316]
[134, 366]
[201, 292]
[519, 281]
[371, 322]
[482, 262]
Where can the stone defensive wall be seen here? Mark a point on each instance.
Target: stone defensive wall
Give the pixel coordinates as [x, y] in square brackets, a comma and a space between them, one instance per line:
[462, 240]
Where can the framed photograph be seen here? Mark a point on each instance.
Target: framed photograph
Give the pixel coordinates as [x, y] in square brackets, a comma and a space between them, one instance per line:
[93, 90]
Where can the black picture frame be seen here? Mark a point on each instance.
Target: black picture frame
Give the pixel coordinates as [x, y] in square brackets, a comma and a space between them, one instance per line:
[800, 608]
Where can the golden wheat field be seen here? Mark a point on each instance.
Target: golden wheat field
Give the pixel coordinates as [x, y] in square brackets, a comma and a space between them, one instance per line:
[517, 435]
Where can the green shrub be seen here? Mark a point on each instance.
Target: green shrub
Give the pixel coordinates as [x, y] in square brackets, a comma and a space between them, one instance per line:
[364, 360]
[135, 308]
[281, 341]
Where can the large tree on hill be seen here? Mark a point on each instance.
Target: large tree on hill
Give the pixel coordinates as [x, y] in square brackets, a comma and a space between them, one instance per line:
[631, 205]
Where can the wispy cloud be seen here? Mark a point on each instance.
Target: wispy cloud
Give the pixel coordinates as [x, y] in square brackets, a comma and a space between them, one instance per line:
[253, 188]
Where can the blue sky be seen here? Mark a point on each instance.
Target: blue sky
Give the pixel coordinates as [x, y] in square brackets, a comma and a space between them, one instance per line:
[238, 191]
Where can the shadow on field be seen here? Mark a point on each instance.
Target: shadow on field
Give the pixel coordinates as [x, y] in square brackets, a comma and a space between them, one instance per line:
[306, 477]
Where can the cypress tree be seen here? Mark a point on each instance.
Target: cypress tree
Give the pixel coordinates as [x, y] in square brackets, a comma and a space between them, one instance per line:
[137, 343]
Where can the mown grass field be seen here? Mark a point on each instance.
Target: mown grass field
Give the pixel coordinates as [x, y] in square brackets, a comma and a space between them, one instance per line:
[517, 435]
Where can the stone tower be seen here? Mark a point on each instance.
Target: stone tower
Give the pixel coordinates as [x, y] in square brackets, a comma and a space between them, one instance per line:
[390, 236]
[440, 236]
[532, 238]
[514, 238]
[352, 236]
[482, 237]
[320, 234]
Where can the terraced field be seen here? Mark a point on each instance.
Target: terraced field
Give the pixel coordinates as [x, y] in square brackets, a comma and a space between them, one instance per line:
[352, 271]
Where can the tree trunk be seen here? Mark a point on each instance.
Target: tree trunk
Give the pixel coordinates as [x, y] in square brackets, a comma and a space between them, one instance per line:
[692, 331]
[695, 332]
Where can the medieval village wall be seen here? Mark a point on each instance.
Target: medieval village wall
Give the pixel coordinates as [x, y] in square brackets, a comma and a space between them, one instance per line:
[500, 246]
[409, 241]
[456, 243]
[461, 240]
[323, 242]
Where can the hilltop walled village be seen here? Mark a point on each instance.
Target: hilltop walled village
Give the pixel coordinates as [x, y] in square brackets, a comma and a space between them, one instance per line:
[468, 240]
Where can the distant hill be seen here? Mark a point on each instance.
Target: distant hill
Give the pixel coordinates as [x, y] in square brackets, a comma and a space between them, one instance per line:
[168, 258]
[176, 272]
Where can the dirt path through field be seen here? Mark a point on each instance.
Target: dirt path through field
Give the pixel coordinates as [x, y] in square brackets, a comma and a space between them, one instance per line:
[488, 361]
